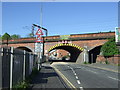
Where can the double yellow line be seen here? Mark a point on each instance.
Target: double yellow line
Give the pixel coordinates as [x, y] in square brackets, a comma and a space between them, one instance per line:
[64, 79]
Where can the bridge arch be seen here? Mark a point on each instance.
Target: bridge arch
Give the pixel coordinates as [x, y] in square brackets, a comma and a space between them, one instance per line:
[93, 53]
[73, 49]
[68, 44]
[24, 48]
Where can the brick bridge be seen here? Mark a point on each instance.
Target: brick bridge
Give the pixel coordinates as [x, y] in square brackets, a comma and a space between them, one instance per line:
[81, 47]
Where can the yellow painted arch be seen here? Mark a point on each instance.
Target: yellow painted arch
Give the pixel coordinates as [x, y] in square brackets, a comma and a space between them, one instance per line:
[68, 44]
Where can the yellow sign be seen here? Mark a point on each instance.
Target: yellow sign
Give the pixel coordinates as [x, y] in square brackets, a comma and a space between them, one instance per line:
[64, 37]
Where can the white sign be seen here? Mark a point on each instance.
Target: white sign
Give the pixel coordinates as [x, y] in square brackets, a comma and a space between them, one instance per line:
[38, 47]
[117, 34]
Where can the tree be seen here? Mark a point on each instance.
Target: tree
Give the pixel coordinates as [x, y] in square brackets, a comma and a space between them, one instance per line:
[30, 35]
[6, 36]
[0, 37]
[110, 48]
[15, 36]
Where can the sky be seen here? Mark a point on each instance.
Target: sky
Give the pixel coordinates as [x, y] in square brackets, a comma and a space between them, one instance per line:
[59, 18]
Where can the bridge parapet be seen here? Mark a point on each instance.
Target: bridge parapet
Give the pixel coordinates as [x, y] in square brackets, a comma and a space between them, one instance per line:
[90, 36]
[72, 37]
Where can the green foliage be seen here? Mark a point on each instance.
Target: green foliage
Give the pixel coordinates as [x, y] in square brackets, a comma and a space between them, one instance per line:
[26, 83]
[0, 38]
[35, 71]
[30, 35]
[86, 62]
[14, 36]
[6, 36]
[109, 48]
[118, 64]
[106, 62]
[21, 85]
[65, 57]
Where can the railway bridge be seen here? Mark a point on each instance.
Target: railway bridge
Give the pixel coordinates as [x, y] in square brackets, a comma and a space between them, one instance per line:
[75, 47]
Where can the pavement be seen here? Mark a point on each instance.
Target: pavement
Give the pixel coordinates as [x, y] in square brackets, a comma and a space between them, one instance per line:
[108, 67]
[47, 79]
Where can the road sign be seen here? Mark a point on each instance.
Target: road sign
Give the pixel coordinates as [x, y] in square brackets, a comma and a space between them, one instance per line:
[39, 32]
[38, 47]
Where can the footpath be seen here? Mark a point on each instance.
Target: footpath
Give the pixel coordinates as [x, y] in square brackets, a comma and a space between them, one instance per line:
[47, 79]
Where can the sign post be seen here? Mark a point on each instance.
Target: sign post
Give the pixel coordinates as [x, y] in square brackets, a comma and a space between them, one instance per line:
[39, 42]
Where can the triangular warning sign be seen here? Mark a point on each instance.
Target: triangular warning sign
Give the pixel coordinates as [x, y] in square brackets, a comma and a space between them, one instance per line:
[39, 32]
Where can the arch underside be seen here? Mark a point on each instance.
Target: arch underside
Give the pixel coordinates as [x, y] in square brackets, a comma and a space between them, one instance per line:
[74, 52]
[93, 54]
[24, 48]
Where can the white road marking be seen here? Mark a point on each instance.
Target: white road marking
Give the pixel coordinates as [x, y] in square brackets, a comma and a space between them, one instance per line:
[76, 77]
[78, 82]
[79, 67]
[92, 71]
[75, 74]
[113, 78]
[73, 71]
[81, 88]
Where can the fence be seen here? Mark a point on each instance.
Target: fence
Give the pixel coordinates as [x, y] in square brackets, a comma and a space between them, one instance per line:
[15, 66]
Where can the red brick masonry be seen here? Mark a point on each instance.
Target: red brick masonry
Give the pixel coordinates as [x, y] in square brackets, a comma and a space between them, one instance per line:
[113, 59]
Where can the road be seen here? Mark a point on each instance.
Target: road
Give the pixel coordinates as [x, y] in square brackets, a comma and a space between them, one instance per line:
[84, 77]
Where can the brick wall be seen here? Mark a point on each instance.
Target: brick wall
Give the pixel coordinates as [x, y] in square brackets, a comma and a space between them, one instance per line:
[113, 59]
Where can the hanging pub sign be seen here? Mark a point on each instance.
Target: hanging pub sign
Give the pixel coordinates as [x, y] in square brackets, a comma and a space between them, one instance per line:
[39, 33]
[117, 34]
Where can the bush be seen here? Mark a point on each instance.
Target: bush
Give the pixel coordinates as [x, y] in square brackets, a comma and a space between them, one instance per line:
[110, 48]
[21, 85]
[106, 62]
[35, 71]
[26, 83]
[86, 62]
